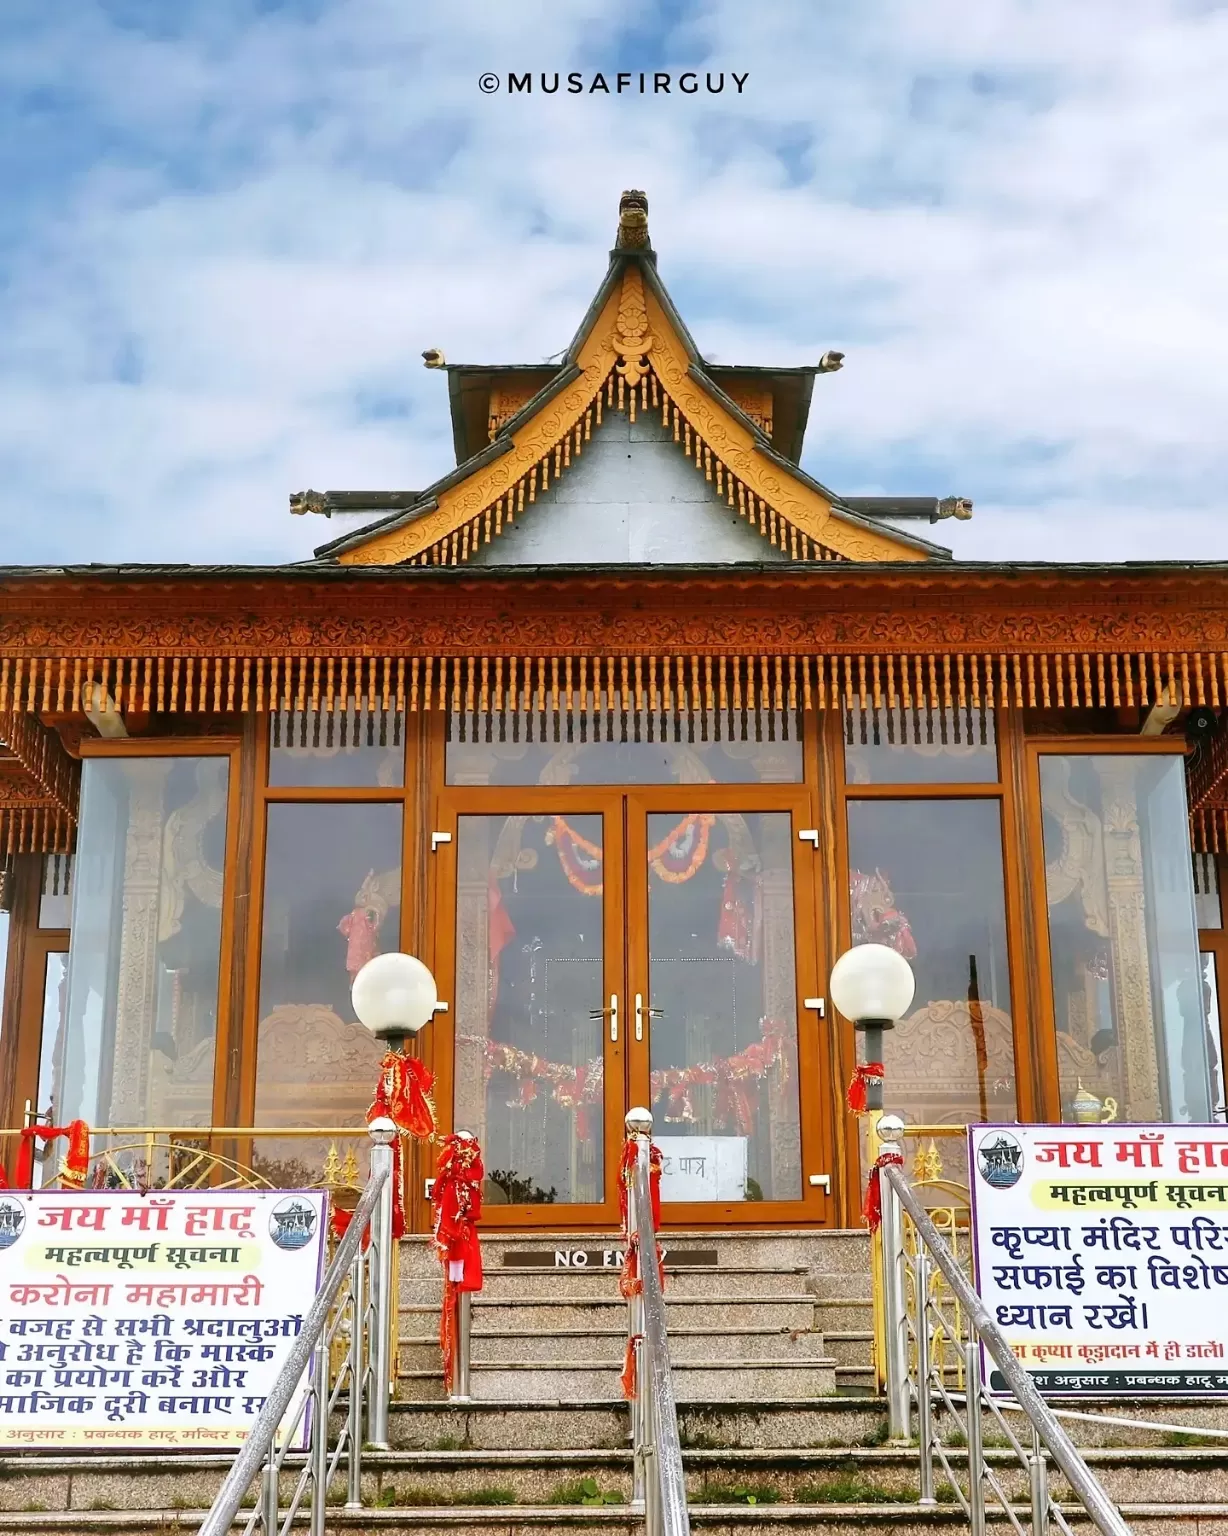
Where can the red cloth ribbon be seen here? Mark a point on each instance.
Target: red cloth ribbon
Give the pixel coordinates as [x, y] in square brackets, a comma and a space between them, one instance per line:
[456, 1195]
[75, 1163]
[403, 1095]
[863, 1075]
[630, 1281]
[872, 1208]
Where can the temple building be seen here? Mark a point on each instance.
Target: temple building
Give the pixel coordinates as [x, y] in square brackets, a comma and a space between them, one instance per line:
[628, 727]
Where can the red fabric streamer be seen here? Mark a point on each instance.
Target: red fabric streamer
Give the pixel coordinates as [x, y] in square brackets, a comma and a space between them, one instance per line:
[630, 1281]
[872, 1208]
[456, 1195]
[403, 1095]
[863, 1075]
[75, 1163]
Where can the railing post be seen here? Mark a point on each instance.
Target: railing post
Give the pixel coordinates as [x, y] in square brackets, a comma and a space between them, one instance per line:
[641, 1403]
[358, 1322]
[320, 1391]
[925, 1411]
[268, 1494]
[383, 1133]
[464, 1329]
[895, 1319]
[976, 1438]
[1038, 1484]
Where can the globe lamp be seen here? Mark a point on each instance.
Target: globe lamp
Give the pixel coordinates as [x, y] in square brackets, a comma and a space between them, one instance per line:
[394, 995]
[873, 985]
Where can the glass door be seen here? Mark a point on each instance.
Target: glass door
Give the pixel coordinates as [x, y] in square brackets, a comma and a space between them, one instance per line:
[723, 1047]
[534, 959]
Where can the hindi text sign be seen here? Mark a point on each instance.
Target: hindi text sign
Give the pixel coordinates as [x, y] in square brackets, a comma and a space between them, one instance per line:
[163, 1318]
[1102, 1253]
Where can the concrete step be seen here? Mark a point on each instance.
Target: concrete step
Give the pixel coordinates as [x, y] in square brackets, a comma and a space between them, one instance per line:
[602, 1423]
[545, 1312]
[843, 1312]
[550, 1477]
[832, 1251]
[475, 1517]
[581, 1381]
[746, 1282]
[687, 1345]
[850, 1347]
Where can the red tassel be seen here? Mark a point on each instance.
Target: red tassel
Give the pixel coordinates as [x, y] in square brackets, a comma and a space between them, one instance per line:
[456, 1195]
[628, 1377]
[869, 1072]
[872, 1208]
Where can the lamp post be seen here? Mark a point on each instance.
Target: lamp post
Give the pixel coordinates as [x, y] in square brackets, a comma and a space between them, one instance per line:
[873, 986]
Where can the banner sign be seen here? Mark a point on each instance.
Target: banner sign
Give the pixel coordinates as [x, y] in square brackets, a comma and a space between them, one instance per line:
[1102, 1254]
[155, 1319]
[702, 1167]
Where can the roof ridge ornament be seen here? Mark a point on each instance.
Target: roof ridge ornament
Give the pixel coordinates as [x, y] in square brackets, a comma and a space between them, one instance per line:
[632, 222]
[632, 339]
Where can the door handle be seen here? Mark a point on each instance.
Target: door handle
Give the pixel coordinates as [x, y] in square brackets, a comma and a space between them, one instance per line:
[611, 1013]
[642, 1012]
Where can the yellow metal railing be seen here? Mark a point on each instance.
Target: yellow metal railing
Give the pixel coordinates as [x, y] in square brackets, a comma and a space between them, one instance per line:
[949, 1205]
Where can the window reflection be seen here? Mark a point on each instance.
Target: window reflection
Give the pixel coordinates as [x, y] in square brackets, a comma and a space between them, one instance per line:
[55, 898]
[529, 1068]
[1132, 1035]
[51, 1055]
[332, 900]
[146, 920]
[920, 746]
[337, 748]
[925, 878]
[723, 989]
[1210, 999]
[615, 747]
[1206, 891]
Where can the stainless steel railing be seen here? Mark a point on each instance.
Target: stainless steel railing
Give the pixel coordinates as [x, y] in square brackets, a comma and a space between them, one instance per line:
[658, 1476]
[920, 1336]
[354, 1306]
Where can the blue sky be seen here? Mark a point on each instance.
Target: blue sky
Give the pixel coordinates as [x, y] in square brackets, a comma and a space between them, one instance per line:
[228, 229]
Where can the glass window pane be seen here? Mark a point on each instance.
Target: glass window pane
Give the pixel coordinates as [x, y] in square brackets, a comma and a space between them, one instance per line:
[1206, 891]
[55, 899]
[610, 746]
[529, 989]
[723, 990]
[920, 746]
[147, 923]
[1210, 1000]
[925, 878]
[331, 748]
[332, 900]
[51, 1055]
[1132, 1035]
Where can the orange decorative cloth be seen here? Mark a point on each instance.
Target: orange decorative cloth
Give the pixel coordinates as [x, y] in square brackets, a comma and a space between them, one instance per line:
[456, 1195]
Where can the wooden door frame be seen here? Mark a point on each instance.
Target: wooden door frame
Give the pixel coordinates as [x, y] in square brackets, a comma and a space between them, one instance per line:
[450, 804]
[1044, 1010]
[814, 1208]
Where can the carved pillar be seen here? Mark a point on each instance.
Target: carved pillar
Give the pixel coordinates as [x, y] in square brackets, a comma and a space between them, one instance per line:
[1127, 911]
[136, 982]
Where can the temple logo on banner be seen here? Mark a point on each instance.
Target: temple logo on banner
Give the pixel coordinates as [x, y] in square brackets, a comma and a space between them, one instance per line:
[157, 1319]
[1102, 1254]
[703, 1167]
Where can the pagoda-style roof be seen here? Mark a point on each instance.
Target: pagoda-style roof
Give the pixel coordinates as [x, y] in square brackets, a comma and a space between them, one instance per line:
[632, 449]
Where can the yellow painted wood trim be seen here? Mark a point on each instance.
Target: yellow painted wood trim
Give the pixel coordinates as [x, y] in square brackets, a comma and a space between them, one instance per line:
[470, 497]
[809, 512]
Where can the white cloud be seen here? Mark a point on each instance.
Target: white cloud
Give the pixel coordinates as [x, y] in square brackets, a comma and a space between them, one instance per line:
[243, 236]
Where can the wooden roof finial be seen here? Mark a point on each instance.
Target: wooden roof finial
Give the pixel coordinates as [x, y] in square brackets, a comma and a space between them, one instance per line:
[632, 222]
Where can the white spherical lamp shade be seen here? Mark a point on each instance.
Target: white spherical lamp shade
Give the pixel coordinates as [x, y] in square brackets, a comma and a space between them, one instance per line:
[393, 995]
[872, 981]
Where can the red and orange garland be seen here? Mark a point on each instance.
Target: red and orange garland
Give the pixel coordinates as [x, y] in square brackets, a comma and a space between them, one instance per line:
[676, 858]
[579, 1087]
[630, 1280]
[457, 1198]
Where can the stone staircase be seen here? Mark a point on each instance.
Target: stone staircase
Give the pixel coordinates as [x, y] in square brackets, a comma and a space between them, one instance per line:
[779, 1425]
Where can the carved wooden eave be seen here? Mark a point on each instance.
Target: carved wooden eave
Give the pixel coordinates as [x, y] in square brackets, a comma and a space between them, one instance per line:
[632, 354]
[38, 787]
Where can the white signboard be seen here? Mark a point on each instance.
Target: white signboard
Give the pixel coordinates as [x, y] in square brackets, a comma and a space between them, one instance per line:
[1102, 1253]
[702, 1167]
[149, 1319]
